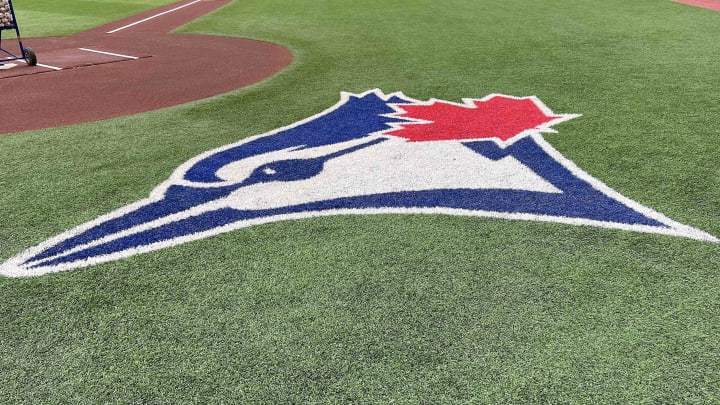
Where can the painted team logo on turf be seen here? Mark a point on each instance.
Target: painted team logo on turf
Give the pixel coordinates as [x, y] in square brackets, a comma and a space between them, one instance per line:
[371, 153]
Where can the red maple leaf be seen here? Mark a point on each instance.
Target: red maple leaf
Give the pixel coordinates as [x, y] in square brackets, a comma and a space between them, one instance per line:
[496, 117]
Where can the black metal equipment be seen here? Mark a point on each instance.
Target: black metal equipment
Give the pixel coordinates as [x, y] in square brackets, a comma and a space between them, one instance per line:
[9, 22]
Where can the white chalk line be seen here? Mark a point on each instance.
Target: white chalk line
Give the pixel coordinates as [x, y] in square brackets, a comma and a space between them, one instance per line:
[152, 16]
[49, 66]
[42, 65]
[109, 53]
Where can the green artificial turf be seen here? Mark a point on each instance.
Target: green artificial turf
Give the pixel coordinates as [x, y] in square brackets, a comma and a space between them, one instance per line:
[61, 17]
[410, 309]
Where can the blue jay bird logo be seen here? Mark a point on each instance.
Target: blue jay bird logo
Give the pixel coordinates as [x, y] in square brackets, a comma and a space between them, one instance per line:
[371, 153]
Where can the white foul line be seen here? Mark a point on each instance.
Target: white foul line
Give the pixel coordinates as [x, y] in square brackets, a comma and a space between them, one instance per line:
[151, 17]
[110, 53]
[41, 65]
[48, 66]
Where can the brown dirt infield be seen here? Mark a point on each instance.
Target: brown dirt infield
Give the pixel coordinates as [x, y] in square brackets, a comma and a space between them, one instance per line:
[117, 70]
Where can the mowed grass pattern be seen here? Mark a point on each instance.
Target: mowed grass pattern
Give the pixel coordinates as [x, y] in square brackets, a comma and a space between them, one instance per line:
[430, 309]
[58, 17]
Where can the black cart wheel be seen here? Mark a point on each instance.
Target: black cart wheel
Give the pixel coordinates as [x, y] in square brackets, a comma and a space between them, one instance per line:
[30, 57]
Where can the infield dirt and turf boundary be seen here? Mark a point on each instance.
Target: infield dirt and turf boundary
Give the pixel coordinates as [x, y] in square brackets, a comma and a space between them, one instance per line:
[708, 4]
[130, 66]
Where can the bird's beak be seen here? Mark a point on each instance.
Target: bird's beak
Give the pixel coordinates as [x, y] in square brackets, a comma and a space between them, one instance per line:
[183, 213]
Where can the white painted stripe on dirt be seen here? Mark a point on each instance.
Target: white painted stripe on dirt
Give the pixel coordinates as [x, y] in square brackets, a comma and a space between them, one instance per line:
[152, 16]
[41, 65]
[49, 66]
[109, 53]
